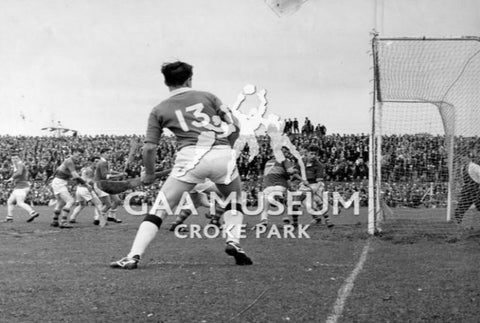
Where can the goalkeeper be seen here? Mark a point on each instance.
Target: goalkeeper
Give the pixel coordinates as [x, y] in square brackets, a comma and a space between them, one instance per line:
[470, 193]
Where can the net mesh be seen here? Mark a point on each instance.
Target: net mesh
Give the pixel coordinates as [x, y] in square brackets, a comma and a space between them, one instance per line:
[429, 120]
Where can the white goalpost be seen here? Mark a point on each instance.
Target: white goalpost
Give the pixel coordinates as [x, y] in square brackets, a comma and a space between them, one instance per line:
[425, 128]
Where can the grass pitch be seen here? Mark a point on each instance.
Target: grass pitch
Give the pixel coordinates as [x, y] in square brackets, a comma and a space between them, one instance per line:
[60, 275]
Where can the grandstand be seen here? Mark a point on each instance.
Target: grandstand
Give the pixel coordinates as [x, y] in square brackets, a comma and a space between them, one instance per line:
[345, 157]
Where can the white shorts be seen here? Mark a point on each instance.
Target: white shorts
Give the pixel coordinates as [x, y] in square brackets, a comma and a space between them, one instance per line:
[194, 164]
[20, 194]
[83, 194]
[59, 186]
[98, 191]
[207, 186]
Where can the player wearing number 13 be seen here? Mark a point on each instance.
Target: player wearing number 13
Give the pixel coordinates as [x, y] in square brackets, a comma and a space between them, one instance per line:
[204, 129]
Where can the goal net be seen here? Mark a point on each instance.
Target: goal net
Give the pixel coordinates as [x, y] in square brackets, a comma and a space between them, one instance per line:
[425, 128]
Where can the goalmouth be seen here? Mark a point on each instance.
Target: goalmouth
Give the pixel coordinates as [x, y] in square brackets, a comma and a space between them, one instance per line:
[425, 125]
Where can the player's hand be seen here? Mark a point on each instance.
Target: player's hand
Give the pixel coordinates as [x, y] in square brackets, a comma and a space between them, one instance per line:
[147, 179]
[9, 180]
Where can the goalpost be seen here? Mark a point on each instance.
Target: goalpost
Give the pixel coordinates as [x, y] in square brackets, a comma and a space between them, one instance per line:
[425, 129]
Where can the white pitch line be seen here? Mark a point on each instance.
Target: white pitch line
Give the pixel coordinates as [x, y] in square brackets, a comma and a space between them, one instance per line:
[347, 286]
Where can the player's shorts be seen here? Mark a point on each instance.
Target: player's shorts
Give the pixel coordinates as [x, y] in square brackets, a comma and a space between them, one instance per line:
[99, 192]
[201, 193]
[194, 164]
[20, 194]
[272, 193]
[207, 186]
[83, 194]
[59, 186]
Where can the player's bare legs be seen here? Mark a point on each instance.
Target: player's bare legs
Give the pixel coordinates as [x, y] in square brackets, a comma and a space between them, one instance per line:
[18, 197]
[60, 214]
[172, 190]
[233, 218]
[10, 206]
[76, 211]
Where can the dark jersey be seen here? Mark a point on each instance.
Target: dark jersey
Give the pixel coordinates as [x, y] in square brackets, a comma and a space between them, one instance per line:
[20, 175]
[64, 171]
[101, 170]
[194, 117]
[313, 169]
[277, 174]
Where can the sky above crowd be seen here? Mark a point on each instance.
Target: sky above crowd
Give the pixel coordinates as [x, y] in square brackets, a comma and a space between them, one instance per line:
[94, 65]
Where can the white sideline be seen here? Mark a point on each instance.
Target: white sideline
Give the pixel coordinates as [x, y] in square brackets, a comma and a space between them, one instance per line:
[347, 286]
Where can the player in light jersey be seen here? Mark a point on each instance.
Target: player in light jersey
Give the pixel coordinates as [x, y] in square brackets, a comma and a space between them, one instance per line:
[20, 190]
[275, 182]
[470, 193]
[65, 172]
[202, 126]
[84, 194]
[110, 202]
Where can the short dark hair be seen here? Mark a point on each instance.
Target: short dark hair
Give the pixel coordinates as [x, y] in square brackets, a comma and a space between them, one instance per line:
[176, 73]
[104, 150]
[77, 149]
[92, 159]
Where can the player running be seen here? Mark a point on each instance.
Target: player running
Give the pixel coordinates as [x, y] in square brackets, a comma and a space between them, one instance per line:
[64, 200]
[84, 194]
[20, 190]
[202, 126]
[110, 202]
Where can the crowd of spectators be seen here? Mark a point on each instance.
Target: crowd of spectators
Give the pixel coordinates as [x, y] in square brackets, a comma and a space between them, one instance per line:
[410, 162]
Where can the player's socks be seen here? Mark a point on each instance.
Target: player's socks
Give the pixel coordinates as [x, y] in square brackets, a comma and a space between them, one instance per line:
[33, 215]
[10, 211]
[63, 219]
[76, 211]
[327, 221]
[215, 220]
[112, 216]
[145, 234]
[56, 215]
[184, 214]
[233, 225]
[295, 220]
